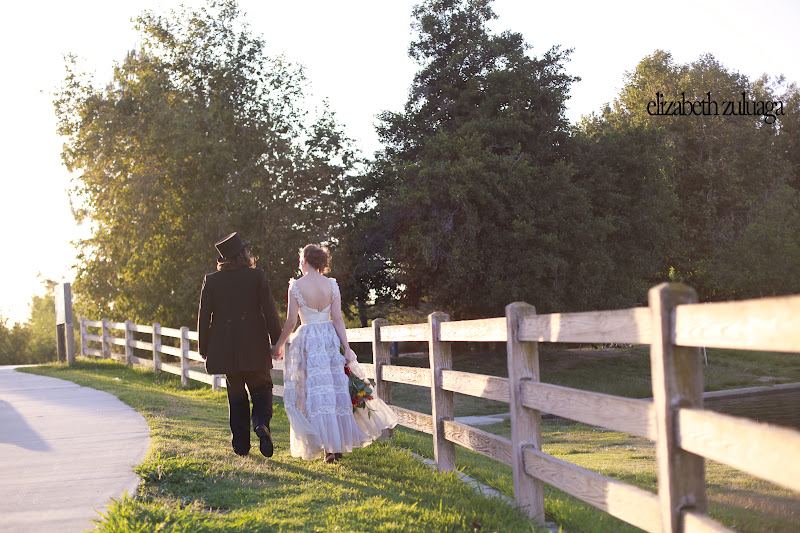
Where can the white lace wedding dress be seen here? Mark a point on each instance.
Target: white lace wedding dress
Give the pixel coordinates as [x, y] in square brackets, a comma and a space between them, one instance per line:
[316, 389]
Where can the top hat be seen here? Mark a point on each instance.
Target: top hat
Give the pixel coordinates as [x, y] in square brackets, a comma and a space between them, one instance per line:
[230, 246]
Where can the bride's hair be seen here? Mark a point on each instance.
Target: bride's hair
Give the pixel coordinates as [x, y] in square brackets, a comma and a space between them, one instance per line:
[317, 256]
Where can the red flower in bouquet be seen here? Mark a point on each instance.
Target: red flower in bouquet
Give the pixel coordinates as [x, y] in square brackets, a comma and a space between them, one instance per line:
[360, 390]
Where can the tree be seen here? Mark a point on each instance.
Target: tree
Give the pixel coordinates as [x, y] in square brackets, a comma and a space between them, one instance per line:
[35, 340]
[198, 134]
[628, 174]
[471, 196]
[723, 166]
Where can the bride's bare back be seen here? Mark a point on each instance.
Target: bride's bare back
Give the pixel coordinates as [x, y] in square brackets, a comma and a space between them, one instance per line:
[316, 290]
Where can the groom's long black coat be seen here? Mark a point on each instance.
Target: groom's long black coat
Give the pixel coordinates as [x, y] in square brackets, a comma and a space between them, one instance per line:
[236, 320]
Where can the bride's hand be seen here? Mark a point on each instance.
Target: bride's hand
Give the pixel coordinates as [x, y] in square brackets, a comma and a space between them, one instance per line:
[277, 353]
[349, 355]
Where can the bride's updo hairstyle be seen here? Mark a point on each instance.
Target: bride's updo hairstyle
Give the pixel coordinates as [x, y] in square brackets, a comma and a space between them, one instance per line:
[317, 256]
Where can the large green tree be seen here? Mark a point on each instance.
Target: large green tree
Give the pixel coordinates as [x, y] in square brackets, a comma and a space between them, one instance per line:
[728, 172]
[471, 196]
[198, 134]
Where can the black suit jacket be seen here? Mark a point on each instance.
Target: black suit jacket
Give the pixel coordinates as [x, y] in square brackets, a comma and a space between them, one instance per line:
[236, 320]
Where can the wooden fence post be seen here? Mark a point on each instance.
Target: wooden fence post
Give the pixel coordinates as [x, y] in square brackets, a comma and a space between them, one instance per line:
[215, 386]
[444, 451]
[184, 356]
[104, 333]
[677, 375]
[128, 342]
[381, 355]
[526, 424]
[84, 341]
[65, 333]
[156, 348]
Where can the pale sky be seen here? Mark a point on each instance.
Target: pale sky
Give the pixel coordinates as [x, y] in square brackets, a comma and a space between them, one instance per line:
[355, 55]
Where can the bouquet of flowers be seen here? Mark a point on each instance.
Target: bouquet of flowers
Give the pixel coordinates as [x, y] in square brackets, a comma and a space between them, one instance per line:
[360, 391]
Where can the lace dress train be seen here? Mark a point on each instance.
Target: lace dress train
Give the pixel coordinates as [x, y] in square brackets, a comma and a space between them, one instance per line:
[316, 390]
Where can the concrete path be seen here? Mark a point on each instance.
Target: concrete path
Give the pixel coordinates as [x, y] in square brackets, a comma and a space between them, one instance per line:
[65, 451]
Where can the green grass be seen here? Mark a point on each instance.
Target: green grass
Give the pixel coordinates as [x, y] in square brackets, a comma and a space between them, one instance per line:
[191, 480]
[735, 499]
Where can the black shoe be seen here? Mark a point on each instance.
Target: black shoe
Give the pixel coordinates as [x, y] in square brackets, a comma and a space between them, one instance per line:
[266, 440]
[241, 453]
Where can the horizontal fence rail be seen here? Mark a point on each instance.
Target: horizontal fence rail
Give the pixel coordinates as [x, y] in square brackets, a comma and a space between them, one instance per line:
[673, 324]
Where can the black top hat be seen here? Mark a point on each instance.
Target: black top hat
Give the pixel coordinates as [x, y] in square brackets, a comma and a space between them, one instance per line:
[230, 246]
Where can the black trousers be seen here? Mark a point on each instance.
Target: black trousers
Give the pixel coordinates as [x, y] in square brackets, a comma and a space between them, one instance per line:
[259, 383]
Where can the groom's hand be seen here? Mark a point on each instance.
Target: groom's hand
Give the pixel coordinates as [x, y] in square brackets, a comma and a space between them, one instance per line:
[277, 353]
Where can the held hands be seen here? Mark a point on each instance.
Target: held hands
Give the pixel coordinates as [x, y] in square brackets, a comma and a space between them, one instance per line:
[277, 352]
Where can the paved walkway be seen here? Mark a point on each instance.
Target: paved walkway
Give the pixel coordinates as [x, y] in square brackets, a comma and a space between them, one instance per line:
[61, 458]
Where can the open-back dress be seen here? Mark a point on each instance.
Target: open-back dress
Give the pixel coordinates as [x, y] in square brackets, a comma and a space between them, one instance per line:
[316, 389]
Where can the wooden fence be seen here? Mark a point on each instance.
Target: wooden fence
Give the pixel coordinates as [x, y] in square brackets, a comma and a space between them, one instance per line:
[675, 326]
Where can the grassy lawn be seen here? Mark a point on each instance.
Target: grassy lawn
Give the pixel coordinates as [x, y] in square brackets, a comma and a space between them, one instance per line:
[192, 482]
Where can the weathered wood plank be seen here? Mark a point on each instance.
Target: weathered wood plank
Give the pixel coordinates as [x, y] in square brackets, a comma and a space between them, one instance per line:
[407, 374]
[414, 420]
[441, 359]
[141, 345]
[96, 338]
[171, 350]
[699, 523]
[128, 340]
[115, 325]
[481, 330]
[195, 356]
[381, 358]
[492, 446]
[117, 341]
[156, 347]
[105, 335]
[193, 336]
[627, 415]
[172, 369]
[762, 324]
[405, 333]
[767, 451]
[626, 502]
[526, 424]
[359, 335]
[84, 342]
[94, 351]
[139, 328]
[94, 323]
[184, 356]
[630, 326]
[491, 387]
[677, 378]
[369, 370]
[170, 332]
[202, 377]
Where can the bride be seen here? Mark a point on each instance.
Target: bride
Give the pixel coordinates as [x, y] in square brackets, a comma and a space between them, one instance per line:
[316, 387]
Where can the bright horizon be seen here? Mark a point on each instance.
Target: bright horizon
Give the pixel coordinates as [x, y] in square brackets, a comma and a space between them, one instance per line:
[355, 55]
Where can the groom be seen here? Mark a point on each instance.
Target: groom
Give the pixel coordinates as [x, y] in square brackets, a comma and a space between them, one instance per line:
[236, 320]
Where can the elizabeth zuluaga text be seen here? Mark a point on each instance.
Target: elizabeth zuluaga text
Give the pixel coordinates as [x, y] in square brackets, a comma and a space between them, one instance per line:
[708, 107]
